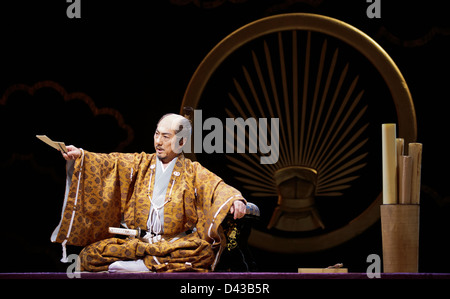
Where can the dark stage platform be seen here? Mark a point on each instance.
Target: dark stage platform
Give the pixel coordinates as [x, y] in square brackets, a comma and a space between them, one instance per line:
[222, 275]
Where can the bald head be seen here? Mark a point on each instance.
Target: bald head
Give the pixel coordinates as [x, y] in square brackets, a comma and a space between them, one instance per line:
[171, 135]
[177, 123]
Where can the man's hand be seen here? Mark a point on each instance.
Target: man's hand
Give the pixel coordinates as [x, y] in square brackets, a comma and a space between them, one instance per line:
[72, 153]
[238, 209]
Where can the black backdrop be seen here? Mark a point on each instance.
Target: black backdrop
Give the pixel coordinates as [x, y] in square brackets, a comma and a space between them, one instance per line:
[136, 58]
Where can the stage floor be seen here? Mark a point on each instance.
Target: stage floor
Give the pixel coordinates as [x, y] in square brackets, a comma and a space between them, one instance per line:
[219, 275]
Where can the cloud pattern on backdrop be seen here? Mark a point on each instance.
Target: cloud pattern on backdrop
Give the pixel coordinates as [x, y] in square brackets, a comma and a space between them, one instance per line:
[46, 108]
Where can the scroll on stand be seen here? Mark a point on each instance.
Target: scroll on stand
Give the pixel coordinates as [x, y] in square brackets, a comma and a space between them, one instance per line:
[401, 202]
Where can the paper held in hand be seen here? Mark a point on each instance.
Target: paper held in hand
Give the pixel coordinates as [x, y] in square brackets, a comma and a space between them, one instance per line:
[60, 146]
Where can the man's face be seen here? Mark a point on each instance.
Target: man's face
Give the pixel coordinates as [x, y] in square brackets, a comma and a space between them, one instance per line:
[164, 140]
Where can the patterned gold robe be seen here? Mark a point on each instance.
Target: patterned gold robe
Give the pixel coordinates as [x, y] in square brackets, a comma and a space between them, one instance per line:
[106, 189]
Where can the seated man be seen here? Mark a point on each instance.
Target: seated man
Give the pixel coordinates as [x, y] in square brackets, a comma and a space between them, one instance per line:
[178, 203]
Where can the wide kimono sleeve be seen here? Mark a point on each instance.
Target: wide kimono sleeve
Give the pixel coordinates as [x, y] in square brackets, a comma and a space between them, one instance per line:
[214, 199]
[97, 190]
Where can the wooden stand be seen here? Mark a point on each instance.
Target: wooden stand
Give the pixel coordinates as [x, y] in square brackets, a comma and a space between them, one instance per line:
[400, 235]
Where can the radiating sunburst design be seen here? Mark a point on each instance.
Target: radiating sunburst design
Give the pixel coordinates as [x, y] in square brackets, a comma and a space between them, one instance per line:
[322, 128]
[341, 150]
[296, 62]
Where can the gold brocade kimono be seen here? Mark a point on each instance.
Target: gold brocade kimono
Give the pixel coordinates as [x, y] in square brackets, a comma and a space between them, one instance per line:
[107, 189]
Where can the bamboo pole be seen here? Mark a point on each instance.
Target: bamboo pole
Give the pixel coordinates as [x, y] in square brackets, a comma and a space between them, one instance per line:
[389, 163]
[415, 151]
[405, 174]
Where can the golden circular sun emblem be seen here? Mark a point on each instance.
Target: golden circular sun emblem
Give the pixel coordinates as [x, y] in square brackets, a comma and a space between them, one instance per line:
[330, 86]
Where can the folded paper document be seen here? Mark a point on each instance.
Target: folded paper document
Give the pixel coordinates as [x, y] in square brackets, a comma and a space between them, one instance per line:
[60, 146]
